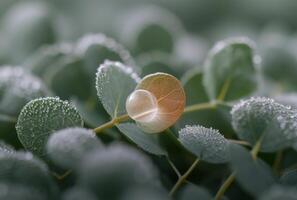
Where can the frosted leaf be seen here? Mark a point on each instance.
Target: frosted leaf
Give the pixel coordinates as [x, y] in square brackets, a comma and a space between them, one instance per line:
[206, 143]
[148, 142]
[230, 67]
[120, 166]
[6, 148]
[47, 57]
[40, 118]
[67, 147]
[15, 191]
[96, 48]
[78, 193]
[150, 28]
[114, 83]
[17, 87]
[24, 169]
[289, 99]
[279, 192]
[259, 116]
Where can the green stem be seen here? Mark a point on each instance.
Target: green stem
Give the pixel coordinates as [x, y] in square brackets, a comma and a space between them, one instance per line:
[123, 118]
[111, 123]
[183, 178]
[228, 182]
[200, 106]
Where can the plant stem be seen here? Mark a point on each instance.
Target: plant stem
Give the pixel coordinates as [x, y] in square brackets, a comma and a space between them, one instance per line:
[200, 106]
[61, 177]
[111, 123]
[228, 182]
[241, 142]
[173, 167]
[254, 152]
[277, 161]
[183, 178]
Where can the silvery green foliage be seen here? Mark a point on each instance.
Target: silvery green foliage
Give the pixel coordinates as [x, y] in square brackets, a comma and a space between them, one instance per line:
[15, 191]
[24, 169]
[263, 117]
[289, 178]
[78, 193]
[68, 146]
[289, 99]
[231, 64]
[114, 83]
[206, 143]
[254, 176]
[148, 142]
[47, 58]
[279, 192]
[27, 25]
[17, 87]
[6, 148]
[119, 166]
[40, 118]
[150, 28]
[145, 193]
[192, 191]
[95, 48]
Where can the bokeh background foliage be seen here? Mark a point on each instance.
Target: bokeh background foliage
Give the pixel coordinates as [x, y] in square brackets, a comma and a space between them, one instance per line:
[232, 57]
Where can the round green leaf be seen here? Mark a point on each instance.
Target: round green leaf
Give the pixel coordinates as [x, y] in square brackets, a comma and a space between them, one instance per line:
[6, 148]
[150, 29]
[114, 83]
[207, 144]
[145, 193]
[17, 87]
[289, 178]
[194, 192]
[40, 118]
[218, 118]
[118, 166]
[148, 142]
[263, 117]
[96, 48]
[23, 169]
[78, 193]
[46, 58]
[14, 191]
[67, 147]
[63, 79]
[253, 175]
[28, 25]
[279, 192]
[230, 70]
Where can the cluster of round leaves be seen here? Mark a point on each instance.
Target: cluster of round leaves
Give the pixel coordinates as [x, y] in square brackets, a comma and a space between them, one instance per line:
[51, 128]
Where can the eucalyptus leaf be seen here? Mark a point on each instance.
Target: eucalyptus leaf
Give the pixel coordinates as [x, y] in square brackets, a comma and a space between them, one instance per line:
[194, 192]
[148, 142]
[218, 118]
[26, 170]
[63, 79]
[40, 118]
[6, 148]
[264, 118]
[279, 192]
[289, 178]
[68, 146]
[18, 87]
[13, 191]
[78, 193]
[119, 166]
[206, 143]
[114, 83]
[28, 25]
[47, 58]
[253, 175]
[145, 193]
[150, 28]
[230, 70]
[96, 48]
